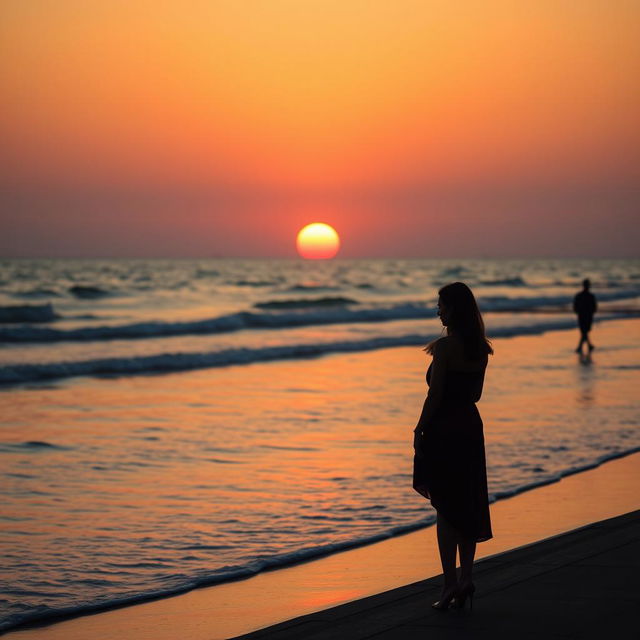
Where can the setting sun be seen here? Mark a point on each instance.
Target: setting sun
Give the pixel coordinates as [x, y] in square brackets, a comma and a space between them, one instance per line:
[317, 241]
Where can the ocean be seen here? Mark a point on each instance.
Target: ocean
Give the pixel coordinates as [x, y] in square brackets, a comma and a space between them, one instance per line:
[167, 424]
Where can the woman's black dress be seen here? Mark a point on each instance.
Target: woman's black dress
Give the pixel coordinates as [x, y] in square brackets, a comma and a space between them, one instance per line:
[449, 467]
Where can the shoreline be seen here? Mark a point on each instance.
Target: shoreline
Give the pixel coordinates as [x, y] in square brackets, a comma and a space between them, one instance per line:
[565, 586]
[230, 609]
[313, 555]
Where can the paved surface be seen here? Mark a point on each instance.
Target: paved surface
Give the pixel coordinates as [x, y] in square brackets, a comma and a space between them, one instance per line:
[582, 584]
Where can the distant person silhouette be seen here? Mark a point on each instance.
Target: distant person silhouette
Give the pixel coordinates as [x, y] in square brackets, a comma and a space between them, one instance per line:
[585, 305]
[449, 467]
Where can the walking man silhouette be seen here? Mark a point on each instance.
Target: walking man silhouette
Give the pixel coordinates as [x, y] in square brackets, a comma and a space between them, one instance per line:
[585, 305]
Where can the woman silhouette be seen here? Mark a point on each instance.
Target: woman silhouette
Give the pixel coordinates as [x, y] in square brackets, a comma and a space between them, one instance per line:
[449, 466]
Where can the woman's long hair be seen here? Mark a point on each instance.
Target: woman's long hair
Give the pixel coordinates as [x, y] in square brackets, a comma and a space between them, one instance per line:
[465, 320]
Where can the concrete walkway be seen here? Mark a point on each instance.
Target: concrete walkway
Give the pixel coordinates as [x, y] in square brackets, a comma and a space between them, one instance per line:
[582, 584]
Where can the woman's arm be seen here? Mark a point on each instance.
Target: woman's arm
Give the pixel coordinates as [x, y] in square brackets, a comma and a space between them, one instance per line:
[436, 385]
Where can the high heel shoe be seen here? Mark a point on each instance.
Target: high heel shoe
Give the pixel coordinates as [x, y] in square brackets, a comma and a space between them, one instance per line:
[445, 600]
[465, 591]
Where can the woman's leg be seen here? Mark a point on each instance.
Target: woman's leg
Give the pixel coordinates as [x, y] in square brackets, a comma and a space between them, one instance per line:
[447, 544]
[467, 553]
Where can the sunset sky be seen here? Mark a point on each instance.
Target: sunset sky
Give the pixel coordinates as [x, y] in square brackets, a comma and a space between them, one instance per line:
[416, 128]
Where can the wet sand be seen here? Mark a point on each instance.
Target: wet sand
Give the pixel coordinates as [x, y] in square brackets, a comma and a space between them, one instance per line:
[227, 610]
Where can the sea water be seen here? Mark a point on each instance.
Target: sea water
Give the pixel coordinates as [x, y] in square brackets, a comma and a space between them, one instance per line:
[172, 423]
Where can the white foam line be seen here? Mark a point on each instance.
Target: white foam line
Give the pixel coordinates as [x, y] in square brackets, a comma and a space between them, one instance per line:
[175, 362]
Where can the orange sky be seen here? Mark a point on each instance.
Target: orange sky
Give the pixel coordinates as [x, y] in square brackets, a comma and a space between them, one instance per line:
[173, 117]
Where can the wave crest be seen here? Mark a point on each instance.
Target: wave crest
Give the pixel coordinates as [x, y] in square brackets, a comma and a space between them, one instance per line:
[174, 362]
[23, 313]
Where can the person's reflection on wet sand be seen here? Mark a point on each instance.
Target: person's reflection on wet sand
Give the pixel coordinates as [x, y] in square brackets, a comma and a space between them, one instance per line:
[585, 381]
[585, 359]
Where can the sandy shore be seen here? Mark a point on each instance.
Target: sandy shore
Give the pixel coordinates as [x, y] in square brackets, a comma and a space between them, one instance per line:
[227, 610]
[578, 584]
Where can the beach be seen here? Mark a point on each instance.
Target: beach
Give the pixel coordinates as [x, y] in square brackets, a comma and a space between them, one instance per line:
[561, 410]
[232, 237]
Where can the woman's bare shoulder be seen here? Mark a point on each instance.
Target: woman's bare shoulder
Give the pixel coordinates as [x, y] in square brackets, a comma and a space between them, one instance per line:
[443, 346]
[455, 353]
